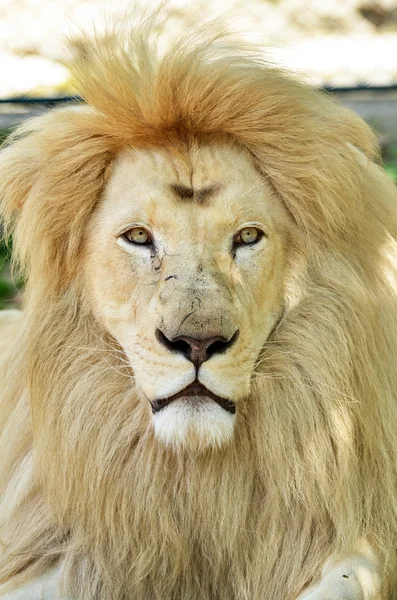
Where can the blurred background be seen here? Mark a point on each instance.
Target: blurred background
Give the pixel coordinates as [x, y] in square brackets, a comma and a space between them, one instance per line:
[348, 47]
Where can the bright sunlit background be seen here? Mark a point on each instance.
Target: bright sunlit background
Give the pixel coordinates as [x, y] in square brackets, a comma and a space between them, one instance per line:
[336, 42]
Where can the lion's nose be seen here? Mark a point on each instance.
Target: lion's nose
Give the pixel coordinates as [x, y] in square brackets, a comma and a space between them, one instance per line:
[197, 350]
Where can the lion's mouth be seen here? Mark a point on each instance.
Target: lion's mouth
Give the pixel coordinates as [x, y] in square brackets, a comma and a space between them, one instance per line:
[194, 390]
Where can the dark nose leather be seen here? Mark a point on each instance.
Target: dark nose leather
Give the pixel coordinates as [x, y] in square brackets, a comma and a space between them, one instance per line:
[196, 350]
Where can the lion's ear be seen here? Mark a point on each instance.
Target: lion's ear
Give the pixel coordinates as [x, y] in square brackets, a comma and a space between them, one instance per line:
[359, 155]
[51, 174]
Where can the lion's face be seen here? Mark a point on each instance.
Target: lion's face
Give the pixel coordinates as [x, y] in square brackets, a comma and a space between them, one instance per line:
[185, 264]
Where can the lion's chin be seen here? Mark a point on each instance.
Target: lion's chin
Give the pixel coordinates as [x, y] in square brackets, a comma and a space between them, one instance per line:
[194, 423]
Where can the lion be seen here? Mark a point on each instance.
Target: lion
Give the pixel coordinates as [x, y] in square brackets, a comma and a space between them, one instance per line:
[199, 397]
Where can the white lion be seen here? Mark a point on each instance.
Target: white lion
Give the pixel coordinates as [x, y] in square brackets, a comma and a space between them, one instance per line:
[199, 400]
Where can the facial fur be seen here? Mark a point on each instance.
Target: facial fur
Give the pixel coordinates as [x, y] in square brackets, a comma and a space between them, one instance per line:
[192, 282]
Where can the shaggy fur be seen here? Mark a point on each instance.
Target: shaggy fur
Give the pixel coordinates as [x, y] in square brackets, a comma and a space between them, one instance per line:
[313, 464]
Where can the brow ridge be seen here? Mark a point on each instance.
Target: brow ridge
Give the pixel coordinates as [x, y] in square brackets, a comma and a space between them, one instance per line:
[200, 196]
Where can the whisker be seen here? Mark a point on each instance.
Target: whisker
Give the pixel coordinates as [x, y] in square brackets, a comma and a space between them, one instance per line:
[101, 351]
[110, 367]
[277, 376]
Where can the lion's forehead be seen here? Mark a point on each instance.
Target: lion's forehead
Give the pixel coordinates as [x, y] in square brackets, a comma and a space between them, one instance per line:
[198, 165]
[218, 183]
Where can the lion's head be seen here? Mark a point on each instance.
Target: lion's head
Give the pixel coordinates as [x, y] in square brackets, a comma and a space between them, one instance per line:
[201, 401]
[185, 266]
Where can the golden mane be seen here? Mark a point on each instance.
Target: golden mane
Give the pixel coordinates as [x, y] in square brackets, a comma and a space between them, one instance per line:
[313, 466]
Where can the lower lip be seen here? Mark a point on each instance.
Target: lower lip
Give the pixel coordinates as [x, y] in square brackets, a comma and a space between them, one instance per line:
[194, 400]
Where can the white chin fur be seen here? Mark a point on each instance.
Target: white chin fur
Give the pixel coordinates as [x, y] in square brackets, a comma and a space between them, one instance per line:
[195, 426]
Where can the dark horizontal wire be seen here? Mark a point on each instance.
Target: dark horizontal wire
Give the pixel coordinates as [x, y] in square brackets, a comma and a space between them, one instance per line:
[40, 100]
[363, 87]
[65, 99]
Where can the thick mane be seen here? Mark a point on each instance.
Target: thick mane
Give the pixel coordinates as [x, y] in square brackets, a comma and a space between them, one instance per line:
[317, 439]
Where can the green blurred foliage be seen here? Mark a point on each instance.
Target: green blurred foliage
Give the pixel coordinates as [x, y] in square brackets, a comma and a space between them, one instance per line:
[391, 161]
[3, 134]
[8, 287]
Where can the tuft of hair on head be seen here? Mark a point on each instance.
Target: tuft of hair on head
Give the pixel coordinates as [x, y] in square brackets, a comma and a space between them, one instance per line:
[208, 83]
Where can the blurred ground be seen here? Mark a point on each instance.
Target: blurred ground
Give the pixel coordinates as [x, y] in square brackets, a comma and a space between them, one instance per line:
[335, 42]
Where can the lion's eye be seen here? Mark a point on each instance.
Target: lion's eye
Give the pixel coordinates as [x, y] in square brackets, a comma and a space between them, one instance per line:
[138, 235]
[248, 235]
